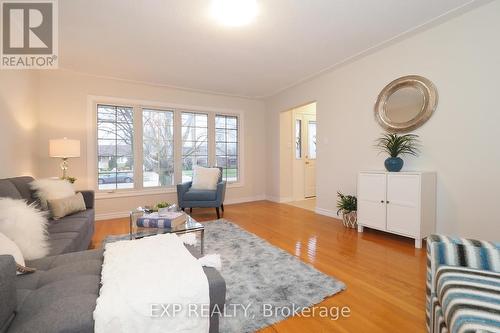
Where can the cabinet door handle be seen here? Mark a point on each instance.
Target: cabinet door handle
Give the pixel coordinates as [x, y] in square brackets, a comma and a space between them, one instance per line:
[387, 201]
[381, 201]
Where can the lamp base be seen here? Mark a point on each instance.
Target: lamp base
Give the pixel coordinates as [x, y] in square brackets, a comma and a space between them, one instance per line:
[64, 167]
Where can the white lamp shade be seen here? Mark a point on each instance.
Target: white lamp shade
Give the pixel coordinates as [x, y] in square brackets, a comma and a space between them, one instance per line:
[64, 148]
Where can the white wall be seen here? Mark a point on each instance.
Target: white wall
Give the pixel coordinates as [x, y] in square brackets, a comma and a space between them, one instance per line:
[286, 157]
[460, 141]
[63, 107]
[18, 121]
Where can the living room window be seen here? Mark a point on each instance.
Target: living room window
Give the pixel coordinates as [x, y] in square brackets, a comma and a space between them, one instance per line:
[115, 137]
[194, 142]
[158, 147]
[150, 148]
[226, 146]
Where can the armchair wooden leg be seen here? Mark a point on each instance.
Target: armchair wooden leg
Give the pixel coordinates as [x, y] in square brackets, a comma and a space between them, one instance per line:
[218, 212]
[182, 208]
[190, 210]
[222, 207]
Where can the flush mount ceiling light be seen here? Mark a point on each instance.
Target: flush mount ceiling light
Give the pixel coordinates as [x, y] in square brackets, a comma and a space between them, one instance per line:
[234, 12]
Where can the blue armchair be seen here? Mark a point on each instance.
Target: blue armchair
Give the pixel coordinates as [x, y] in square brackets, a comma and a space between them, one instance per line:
[191, 198]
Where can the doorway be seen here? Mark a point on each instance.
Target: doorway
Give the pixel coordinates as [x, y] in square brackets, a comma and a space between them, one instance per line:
[309, 160]
[298, 156]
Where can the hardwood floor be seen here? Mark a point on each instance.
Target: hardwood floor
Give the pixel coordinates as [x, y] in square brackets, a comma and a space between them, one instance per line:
[384, 274]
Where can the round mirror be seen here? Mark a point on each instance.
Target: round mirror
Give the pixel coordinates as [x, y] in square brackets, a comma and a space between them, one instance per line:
[406, 103]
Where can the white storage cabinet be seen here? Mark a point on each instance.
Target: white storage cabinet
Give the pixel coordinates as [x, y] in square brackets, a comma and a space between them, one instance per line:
[402, 203]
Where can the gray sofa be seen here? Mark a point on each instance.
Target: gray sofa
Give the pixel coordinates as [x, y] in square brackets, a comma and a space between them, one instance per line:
[69, 234]
[61, 295]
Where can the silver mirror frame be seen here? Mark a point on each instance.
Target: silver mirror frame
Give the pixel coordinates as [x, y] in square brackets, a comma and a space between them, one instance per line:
[414, 81]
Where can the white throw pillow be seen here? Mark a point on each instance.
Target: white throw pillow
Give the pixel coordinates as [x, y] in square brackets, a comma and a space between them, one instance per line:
[7, 246]
[26, 226]
[205, 178]
[51, 189]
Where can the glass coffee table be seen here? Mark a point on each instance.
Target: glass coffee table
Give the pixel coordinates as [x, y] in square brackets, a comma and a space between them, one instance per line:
[191, 225]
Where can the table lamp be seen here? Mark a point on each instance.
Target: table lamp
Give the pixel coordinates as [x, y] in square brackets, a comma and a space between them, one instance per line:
[64, 148]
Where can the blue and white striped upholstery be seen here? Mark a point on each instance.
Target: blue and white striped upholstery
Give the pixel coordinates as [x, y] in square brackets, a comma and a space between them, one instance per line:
[469, 299]
[448, 254]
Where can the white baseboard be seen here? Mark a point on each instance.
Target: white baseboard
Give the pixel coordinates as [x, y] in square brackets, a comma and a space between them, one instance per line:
[118, 215]
[326, 212]
[245, 199]
[273, 199]
[320, 211]
[279, 199]
[111, 215]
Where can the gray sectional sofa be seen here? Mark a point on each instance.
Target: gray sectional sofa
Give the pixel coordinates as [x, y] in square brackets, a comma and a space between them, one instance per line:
[69, 234]
[61, 295]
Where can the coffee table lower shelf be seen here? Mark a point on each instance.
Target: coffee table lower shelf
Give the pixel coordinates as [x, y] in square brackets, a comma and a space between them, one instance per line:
[191, 225]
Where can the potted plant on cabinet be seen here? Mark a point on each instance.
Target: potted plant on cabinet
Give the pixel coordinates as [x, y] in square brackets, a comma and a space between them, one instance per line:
[396, 145]
[348, 205]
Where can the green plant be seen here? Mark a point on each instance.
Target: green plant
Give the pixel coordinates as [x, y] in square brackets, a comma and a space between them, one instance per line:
[162, 204]
[346, 203]
[396, 145]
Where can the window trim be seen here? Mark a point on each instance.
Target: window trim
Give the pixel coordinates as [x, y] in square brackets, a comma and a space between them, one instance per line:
[138, 105]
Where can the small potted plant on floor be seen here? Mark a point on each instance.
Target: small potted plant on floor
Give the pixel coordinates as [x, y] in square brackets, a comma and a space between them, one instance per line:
[348, 205]
[396, 145]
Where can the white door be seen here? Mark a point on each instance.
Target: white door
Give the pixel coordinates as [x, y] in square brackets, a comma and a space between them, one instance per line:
[309, 129]
[403, 196]
[371, 200]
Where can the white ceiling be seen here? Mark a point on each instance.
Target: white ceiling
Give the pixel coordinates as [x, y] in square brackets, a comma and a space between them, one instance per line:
[177, 43]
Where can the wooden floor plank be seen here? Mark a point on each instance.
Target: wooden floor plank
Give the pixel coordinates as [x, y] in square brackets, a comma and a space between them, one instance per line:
[384, 274]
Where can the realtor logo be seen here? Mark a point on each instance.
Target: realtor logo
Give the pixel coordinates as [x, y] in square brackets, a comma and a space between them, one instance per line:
[29, 34]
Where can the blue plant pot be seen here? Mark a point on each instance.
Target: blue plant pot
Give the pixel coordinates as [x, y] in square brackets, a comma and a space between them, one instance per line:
[394, 164]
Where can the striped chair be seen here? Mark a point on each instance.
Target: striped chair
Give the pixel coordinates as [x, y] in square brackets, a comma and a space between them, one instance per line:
[463, 285]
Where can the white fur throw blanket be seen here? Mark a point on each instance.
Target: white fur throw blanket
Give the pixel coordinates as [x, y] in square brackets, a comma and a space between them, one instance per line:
[144, 280]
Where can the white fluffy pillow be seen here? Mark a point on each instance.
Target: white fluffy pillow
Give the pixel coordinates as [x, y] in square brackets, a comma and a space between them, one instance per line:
[26, 226]
[7, 246]
[205, 178]
[51, 189]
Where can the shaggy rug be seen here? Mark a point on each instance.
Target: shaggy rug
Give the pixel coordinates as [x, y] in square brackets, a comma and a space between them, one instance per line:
[261, 279]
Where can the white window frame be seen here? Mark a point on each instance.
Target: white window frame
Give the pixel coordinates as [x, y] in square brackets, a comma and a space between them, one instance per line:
[238, 138]
[138, 105]
[133, 142]
[210, 138]
[152, 188]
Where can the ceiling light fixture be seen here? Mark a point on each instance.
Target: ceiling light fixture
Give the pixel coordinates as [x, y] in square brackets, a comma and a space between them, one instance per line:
[234, 12]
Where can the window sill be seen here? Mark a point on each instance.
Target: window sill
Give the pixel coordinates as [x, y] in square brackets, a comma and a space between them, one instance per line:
[99, 195]
[102, 195]
[234, 185]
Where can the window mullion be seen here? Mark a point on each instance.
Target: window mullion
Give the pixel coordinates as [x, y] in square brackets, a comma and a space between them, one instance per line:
[177, 147]
[211, 139]
[138, 148]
